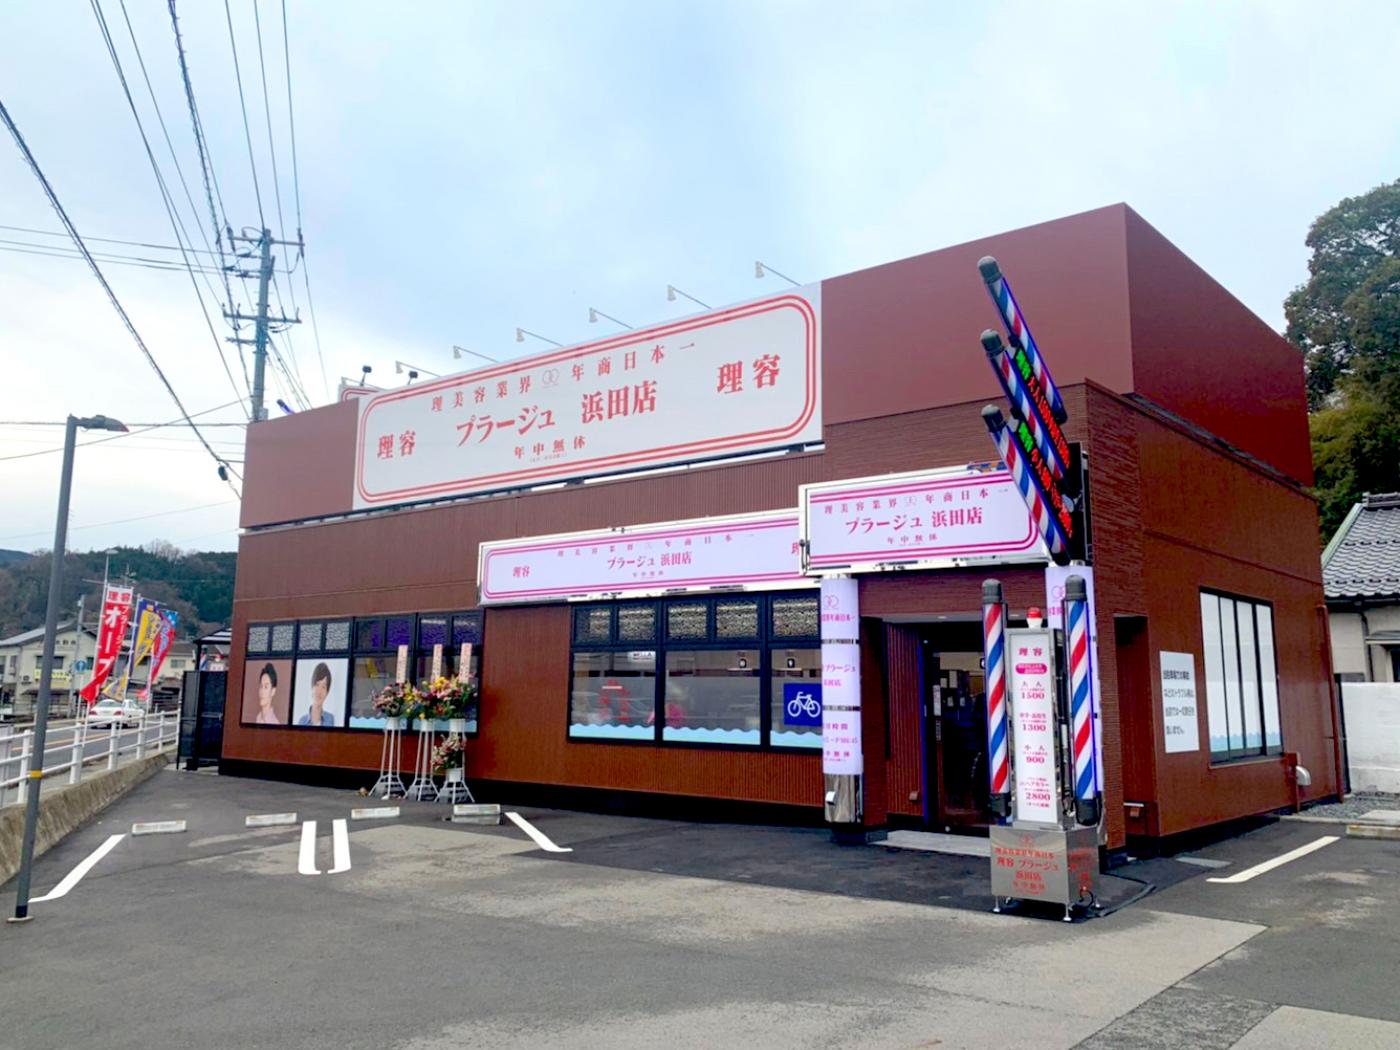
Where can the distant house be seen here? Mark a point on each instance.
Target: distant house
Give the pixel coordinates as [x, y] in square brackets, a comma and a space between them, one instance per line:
[1361, 578]
[21, 654]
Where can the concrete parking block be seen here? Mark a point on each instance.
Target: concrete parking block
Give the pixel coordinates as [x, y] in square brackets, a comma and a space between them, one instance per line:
[158, 827]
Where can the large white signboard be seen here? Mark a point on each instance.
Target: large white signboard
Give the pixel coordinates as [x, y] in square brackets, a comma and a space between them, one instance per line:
[1030, 666]
[730, 381]
[934, 518]
[750, 550]
[1179, 720]
[840, 632]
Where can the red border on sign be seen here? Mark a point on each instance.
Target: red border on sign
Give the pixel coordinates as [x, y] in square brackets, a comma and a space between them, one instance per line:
[949, 550]
[615, 587]
[760, 439]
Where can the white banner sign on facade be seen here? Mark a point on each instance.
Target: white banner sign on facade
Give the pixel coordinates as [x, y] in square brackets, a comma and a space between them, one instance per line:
[927, 519]
[1180, 722]
[840, 634]
[748, 550]
[1030, 674]
[742, 379]
[1055, 576]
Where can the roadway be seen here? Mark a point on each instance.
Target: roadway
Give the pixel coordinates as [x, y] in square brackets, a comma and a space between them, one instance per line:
[659, 933]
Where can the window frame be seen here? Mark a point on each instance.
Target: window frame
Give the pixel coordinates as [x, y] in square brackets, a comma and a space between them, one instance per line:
[1234, 700]
[763, 643]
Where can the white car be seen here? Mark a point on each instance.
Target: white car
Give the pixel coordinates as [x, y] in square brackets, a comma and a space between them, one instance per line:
[109, 712]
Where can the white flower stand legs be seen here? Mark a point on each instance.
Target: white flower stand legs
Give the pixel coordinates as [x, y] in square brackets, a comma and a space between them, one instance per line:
[454, 788]
[423, 789]
[390, 784]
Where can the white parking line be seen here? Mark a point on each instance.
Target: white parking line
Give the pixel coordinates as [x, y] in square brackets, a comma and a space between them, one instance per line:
[541, 839]
[1279, 861]
[342, 847]
[306, 862]
[75, 876]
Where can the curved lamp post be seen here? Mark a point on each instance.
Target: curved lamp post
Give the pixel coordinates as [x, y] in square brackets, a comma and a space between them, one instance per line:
[41, 716]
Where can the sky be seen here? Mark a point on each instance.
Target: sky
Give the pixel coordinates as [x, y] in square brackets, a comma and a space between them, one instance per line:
[466, 168]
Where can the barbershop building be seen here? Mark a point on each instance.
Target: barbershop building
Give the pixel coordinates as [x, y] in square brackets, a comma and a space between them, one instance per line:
[630, 535]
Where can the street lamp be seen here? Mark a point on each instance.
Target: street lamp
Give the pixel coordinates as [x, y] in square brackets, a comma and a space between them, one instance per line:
[41, 716]
[413, 370]
[672, 291]
[458, 351]
[594, 313]
[521, 333]
[760, 269]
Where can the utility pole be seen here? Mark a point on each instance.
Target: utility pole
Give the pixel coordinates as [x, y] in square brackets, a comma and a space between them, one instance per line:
[266, 261]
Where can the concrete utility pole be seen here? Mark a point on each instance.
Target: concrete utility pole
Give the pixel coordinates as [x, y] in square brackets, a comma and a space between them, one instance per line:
[266, 262]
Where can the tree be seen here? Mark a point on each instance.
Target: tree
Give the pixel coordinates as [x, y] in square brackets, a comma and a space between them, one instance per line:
[1329, 314]
[1346, 320]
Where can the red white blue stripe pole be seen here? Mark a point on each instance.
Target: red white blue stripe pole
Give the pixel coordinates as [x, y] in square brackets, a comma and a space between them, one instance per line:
[1029, 485]
[1020, 333]
[994, 651]
[1020, 399]
[1081, 701]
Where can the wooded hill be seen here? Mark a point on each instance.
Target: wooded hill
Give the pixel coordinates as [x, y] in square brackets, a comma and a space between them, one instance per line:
[196, 584]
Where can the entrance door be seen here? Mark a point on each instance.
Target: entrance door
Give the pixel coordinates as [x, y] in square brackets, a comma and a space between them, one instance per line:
[955, 735]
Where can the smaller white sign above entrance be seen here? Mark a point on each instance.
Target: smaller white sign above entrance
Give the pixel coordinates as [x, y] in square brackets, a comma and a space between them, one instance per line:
[1180, 723]
[931, 519]
[739, 551]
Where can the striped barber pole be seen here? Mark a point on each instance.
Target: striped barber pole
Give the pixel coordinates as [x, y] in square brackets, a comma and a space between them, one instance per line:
[994, 650]
[1020, 332]
[1044, 520]
[1015, 391]
[1081, 703]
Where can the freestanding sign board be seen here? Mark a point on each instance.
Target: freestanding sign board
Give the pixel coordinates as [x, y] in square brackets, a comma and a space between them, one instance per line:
[1030, 666]
[742, 379]
[840, 633]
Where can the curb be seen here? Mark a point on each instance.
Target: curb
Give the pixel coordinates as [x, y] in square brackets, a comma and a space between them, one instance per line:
[1390, 832]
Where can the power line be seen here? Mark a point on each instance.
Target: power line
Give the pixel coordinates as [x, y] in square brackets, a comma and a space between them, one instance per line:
[125, 521]
[176, 224]
[101, 278]
[107, 240]
[296, 188]
[54, 252]
[138, 428]
[243, 104]
[267, 110]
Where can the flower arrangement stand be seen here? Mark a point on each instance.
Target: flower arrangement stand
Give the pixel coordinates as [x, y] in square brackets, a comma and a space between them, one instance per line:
[454, 788]
[423, 789]
[390, 784]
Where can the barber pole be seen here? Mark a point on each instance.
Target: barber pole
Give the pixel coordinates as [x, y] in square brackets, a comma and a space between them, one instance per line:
[1020, 333]
[1045, 523]
[1086, 799]
[994, 651]
[1020, 400]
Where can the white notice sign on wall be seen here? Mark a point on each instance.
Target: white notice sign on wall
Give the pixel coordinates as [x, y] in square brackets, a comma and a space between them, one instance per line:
[1179, 719]
[1030, 676]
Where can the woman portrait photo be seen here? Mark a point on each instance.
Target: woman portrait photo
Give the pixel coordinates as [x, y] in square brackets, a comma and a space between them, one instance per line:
[319, 699]
[266, 689]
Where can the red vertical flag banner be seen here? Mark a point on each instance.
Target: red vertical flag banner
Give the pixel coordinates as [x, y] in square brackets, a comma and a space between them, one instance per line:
[116, 615]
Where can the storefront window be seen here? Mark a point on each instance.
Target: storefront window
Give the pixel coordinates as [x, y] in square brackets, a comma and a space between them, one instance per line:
[795, 618]
[259, 637]
[736, 619]
[795, 697]
[712, 696]
[1241, 677]
[687, 621]
[370, 674]
[613, 695]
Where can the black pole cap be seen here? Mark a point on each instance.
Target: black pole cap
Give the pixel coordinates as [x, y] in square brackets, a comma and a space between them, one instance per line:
[1001, 806]
[1075, 591]
[991, 415]
[991, 342]
[1086, 810]
[991, 592]
[989, 268]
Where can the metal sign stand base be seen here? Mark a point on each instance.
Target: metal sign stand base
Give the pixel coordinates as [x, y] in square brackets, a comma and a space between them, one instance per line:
[390, 784]
[1053, 865]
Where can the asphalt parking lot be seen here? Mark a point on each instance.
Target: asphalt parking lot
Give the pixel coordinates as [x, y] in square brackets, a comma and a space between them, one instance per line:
[652, 932]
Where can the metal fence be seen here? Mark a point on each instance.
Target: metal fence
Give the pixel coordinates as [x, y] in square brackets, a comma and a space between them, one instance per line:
[72, 748]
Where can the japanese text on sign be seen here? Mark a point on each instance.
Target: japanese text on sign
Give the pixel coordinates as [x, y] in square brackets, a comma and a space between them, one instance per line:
[1031, 681]
[726, 382]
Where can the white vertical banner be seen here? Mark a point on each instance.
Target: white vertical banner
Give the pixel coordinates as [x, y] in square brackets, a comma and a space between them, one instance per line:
[1180, 723]
[401, 672]
[1055, 576]
[1030, 678]
[840, 633]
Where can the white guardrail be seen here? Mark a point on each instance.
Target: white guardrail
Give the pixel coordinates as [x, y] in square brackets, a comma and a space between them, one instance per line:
[74, 746]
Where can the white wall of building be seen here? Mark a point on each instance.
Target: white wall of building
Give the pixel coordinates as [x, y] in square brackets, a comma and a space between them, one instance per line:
[1373, 735]
[1349, 647]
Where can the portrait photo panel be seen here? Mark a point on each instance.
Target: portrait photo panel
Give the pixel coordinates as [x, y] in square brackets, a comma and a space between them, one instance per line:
[321, 688]
[267, 692]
